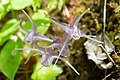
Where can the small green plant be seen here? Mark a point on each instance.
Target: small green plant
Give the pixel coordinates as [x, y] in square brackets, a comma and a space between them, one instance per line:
[45, 73]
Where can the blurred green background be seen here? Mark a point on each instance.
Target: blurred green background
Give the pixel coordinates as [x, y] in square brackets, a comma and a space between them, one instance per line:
[12, 62]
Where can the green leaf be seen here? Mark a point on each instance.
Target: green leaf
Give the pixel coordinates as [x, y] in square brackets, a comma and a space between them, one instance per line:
[5, 1]
[10, 59]
[52, 4]
[2, 11]
[117, 36]
[8, 29]
[46, 73]
[5, 7]
[42, 22]
[117, 9]
[36, 4]
[40, 15]
[61, 3]
[20, 4]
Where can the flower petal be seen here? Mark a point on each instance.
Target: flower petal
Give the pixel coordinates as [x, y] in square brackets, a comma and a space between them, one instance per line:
[63, 47]
[34, 29]
[65, 51]
[108, 44]
[75, 22]
[29, 38]
[47, 60]
[76, 34]
[42, 37]
[65, 28]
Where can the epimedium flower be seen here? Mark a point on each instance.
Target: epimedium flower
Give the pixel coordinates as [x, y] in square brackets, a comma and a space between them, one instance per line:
[49, 56]
[32, 35]
[61, 45]
[47, 60]
[72, 32]
[72, 29]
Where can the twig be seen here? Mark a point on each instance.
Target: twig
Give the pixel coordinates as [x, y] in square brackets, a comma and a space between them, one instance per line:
[109, 57]
[108, 75]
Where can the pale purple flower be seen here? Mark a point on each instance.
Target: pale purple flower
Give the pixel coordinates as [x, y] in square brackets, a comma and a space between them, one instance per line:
[33, 35]
[62, 50]
[59, 43]
[72, 29]
[49, 55]
[48, 58]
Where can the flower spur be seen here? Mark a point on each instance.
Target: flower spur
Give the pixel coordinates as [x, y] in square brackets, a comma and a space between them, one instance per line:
[33, 35]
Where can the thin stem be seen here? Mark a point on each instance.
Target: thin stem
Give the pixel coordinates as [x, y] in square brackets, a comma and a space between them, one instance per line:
[70, 66]
[104, 14]
[21, 28]
[41, 52]
[28, 58]
[117, 56]
[61, 50]
[28, 16]
[76, 22]
[13, 13]
[36, 54]
[40, 68]
[91, 38]
[22, 72]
